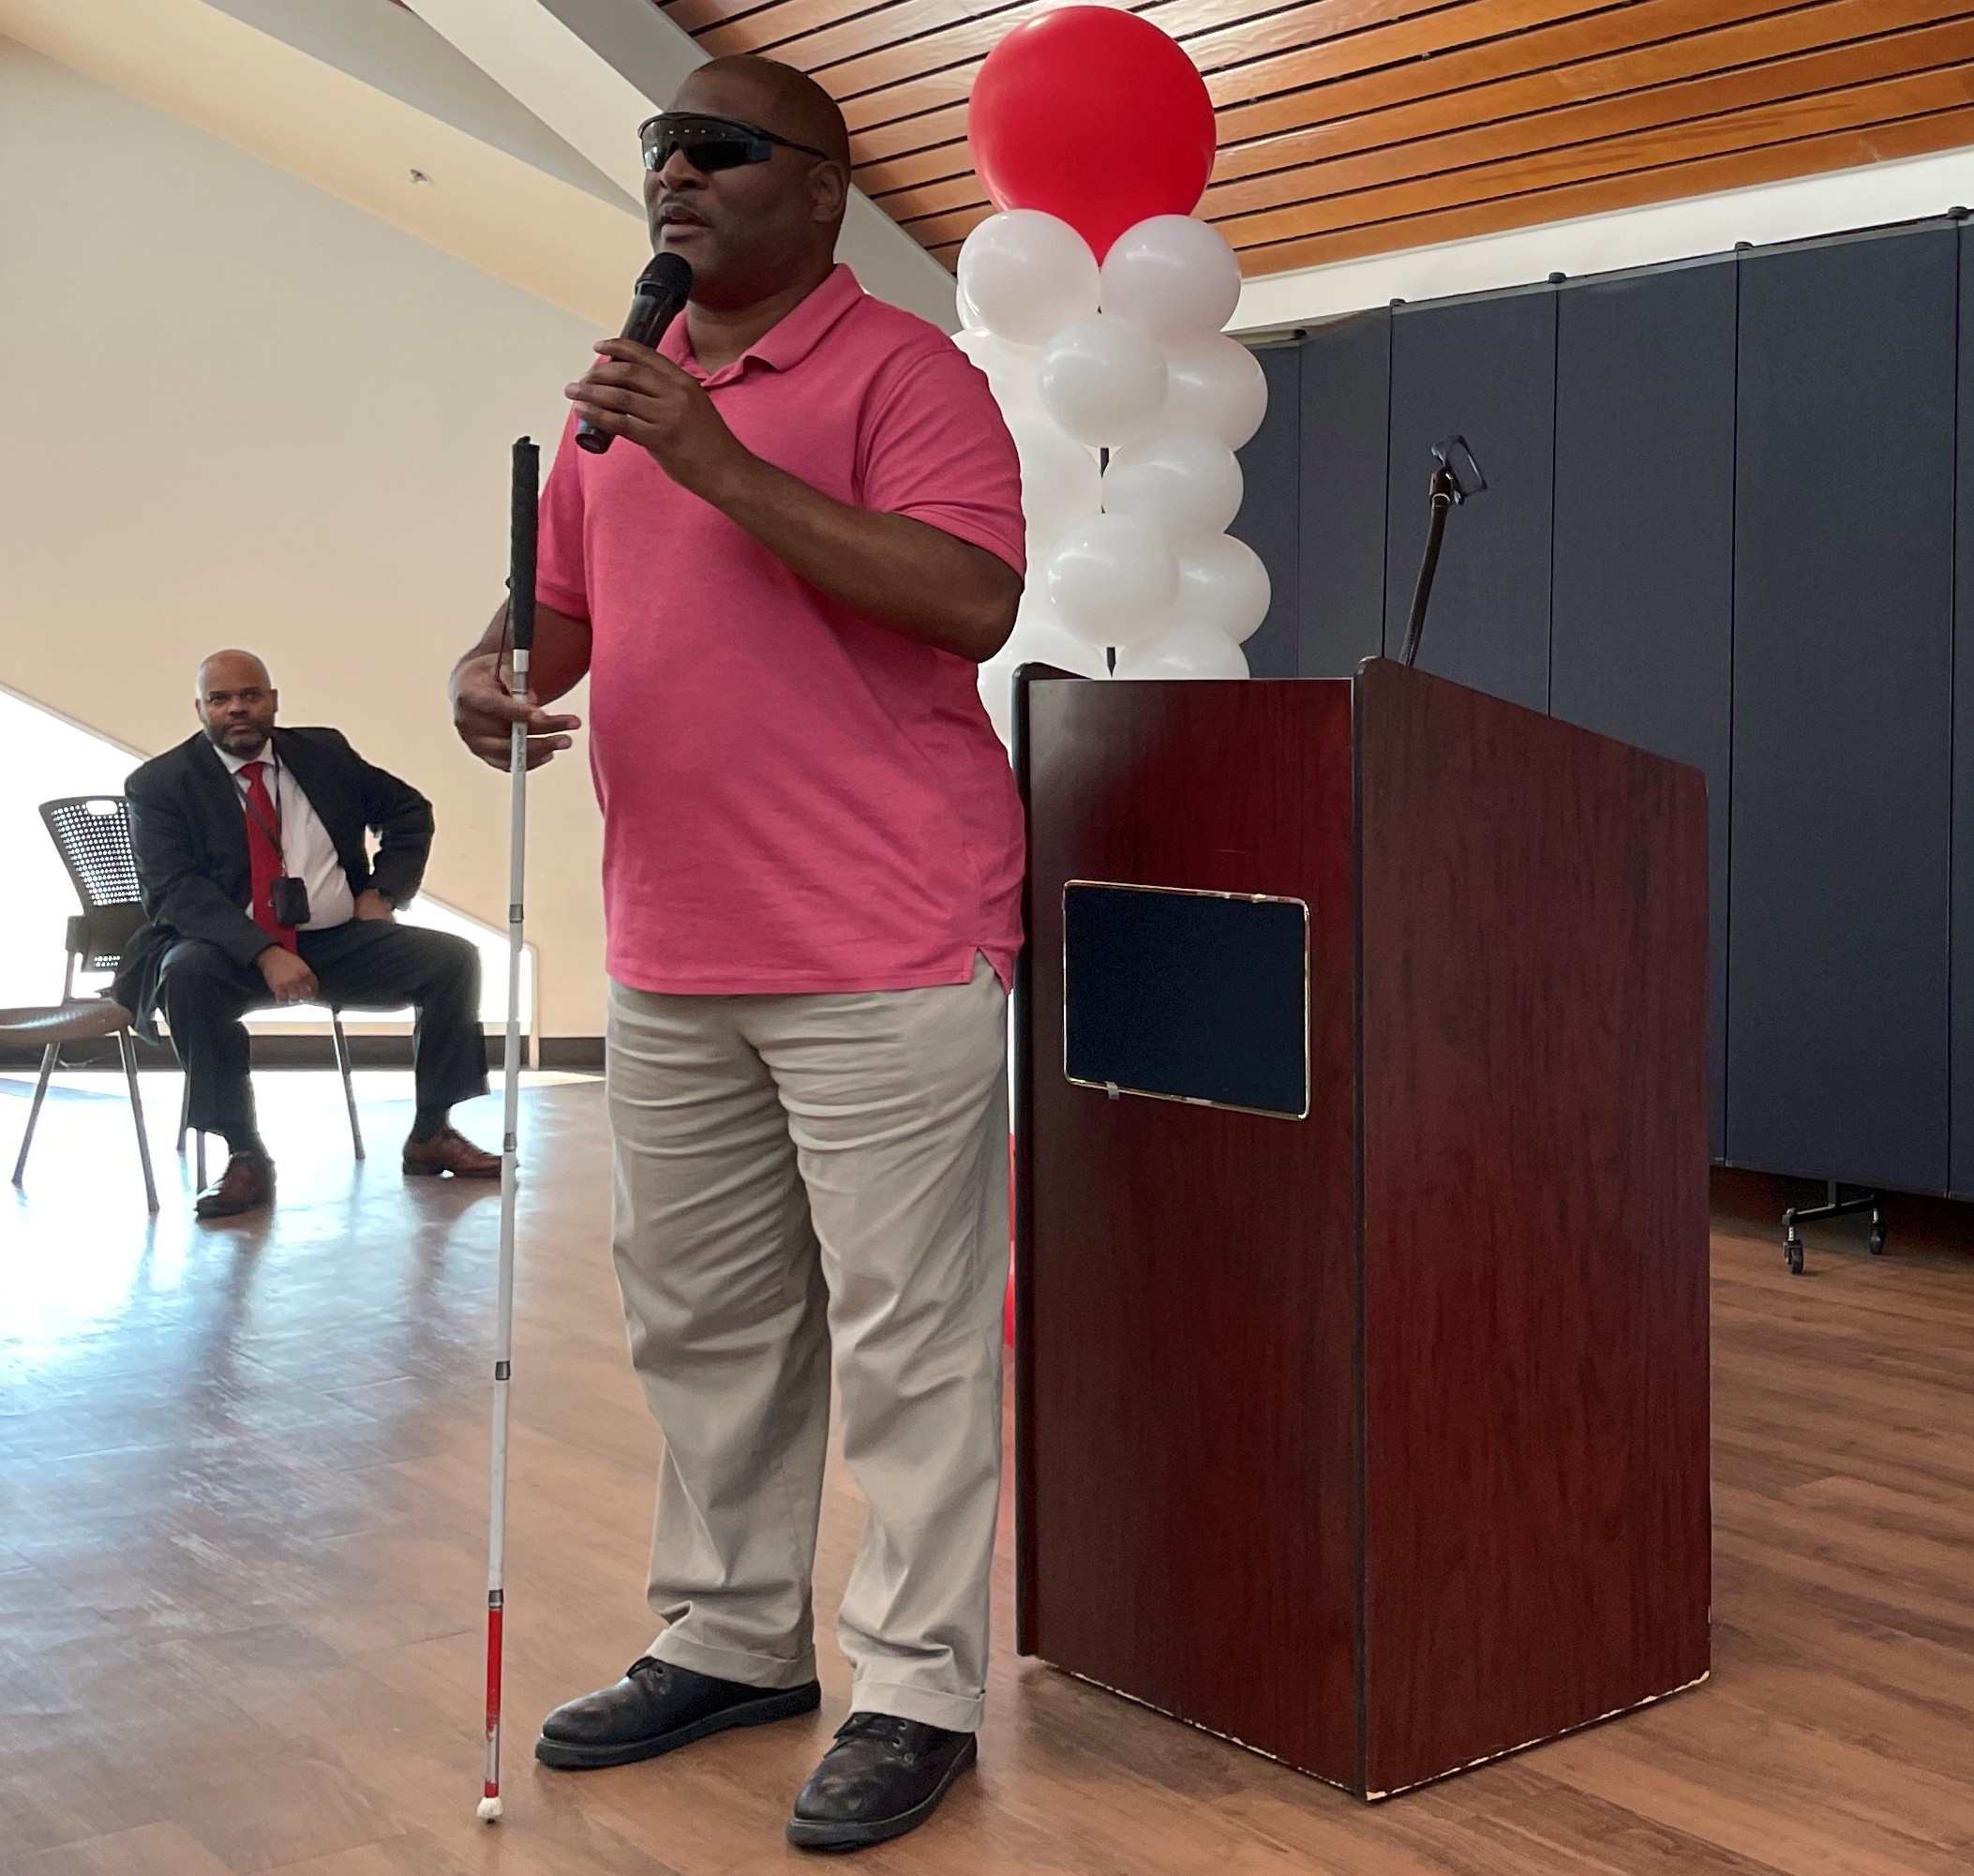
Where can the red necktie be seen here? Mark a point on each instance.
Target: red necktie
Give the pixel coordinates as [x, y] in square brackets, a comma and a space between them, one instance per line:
[263, 857]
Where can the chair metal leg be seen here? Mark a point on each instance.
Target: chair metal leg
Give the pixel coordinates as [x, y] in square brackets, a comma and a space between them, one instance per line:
[198, 1157]
[33, 1113]
[342, 1063]
[127, 1047]
[184, 1122]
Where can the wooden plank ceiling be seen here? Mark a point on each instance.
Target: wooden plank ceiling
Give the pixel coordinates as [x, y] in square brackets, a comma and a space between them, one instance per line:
[1352, 126]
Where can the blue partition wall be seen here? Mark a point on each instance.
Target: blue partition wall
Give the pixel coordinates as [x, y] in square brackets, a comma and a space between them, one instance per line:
[1641, 626]
[1843, 688]
[1483, 369]
[1724, 521]
[1341, 429]
[1271, 468]
[1960, 904]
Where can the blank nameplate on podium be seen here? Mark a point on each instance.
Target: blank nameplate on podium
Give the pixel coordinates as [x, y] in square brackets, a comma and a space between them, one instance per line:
[1202, 997]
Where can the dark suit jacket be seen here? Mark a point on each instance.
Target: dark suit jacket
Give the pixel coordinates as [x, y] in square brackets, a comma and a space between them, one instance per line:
[189, 832]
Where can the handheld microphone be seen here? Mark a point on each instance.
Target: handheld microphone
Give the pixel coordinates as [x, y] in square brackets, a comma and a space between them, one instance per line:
[661, 291]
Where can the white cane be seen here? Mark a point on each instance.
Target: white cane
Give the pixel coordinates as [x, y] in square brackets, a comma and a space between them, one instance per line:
[521, 625]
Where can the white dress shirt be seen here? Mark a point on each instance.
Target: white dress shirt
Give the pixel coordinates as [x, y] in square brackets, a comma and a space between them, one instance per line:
[306, 851]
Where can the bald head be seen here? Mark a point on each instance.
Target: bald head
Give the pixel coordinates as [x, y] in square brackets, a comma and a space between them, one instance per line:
[780, 98]
[234, 668]
[236, 701]
[758, 230]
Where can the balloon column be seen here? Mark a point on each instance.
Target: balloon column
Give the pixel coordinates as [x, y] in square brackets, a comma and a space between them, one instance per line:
[1094, 304]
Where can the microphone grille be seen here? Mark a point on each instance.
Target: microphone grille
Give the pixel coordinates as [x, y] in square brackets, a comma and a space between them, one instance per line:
[669, 275]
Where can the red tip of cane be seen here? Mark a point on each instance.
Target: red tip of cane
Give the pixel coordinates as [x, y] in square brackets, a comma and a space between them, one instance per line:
[490, 1801]
[493, 1671]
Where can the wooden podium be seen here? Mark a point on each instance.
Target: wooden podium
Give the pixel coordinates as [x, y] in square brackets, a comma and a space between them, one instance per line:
[1374, 1438]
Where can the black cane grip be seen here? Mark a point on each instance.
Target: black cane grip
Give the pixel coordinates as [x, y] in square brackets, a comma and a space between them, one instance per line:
[520, 563]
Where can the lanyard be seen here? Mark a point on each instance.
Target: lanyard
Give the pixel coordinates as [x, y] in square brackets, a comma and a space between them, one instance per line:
[273, 795]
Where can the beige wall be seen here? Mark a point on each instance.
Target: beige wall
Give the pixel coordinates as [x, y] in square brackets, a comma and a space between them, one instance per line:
[236, 410]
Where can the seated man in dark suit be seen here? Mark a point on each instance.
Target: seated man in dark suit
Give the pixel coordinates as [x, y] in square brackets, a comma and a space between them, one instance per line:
[230, 829]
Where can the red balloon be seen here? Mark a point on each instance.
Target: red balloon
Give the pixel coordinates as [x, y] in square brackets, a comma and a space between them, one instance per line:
[1093, 116]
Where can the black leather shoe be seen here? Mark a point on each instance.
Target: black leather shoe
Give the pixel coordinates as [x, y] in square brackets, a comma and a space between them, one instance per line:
[657, 1708]
[884, 1776]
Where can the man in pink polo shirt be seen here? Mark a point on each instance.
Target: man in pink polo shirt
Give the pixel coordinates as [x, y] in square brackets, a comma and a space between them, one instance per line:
[781, 581]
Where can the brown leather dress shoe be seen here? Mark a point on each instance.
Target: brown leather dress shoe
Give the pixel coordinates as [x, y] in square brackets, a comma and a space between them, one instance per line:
[449, 1151]
[246, 1185]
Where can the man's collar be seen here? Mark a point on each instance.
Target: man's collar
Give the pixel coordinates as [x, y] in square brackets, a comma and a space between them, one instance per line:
[790, 339]
[235, 763]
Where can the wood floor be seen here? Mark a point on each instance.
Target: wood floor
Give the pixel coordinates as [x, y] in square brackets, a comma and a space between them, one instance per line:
[242, 1489]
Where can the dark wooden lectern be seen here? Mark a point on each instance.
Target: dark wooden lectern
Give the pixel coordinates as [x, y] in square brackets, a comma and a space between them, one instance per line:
[1375, 1439]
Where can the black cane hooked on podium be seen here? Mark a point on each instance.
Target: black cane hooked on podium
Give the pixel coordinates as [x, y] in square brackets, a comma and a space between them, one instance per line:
[520, 631]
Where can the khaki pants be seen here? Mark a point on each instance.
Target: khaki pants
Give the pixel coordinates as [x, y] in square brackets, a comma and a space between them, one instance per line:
[797, 1175]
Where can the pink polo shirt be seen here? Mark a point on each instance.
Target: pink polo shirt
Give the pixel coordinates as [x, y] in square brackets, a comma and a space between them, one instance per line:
[794, 799]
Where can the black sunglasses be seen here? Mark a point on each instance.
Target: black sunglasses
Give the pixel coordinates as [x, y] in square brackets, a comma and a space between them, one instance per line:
[710, 142]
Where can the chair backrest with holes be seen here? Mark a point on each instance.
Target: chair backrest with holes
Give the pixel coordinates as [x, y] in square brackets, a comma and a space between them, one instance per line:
[92, 834]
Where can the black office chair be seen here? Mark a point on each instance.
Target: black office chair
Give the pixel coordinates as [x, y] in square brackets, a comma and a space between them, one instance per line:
[92, 834]
[94, 828]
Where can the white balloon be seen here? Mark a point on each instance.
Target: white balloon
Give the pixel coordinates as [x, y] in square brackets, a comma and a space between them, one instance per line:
[1185, 651]
[1028, 274]
[1010, 368]
[1041, 638]
[1176, 277]
[1038, 638]
[1111, 580]
[1215, 386]
[1222, 584]
[1182, 482]
[997, 698]
[1103, 380]
[1060, 484]
[969, 313]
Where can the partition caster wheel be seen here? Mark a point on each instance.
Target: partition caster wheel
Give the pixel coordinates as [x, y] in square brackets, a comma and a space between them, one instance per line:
[1877, 1240]
[1792, 1256]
